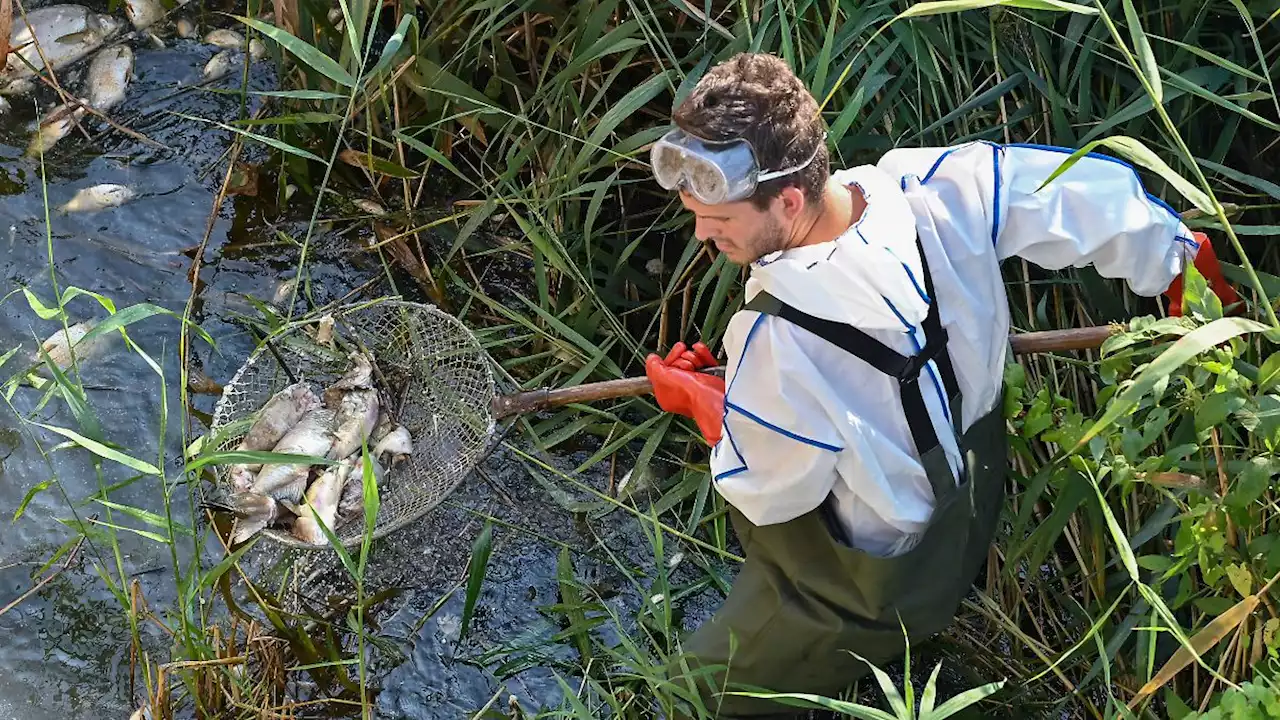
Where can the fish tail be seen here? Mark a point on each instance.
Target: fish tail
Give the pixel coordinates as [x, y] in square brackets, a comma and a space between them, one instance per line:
[253, 513]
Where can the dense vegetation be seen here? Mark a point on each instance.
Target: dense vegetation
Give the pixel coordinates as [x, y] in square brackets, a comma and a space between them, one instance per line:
[1141, 520]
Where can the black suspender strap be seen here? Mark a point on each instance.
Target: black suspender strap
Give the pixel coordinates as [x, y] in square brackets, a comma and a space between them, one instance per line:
[906, 369]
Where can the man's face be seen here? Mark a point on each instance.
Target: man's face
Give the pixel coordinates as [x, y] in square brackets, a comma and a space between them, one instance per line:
[738, 229]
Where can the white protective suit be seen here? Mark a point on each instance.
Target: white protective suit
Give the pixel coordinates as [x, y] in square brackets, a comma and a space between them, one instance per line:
[804, 419]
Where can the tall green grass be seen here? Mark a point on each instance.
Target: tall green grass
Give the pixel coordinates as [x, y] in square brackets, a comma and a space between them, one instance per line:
[1141, 520]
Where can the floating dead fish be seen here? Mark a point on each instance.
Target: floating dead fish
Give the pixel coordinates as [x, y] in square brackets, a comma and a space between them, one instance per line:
[219, 64]
[109, 76]
[5, 107]
[51, 131]
[143, 13]
[257, 50]
[99, 197]
[337, 19]
[60, 345]
[225, 39]
[324, 331]
[185, 28]
[370, 207]
[64, 34]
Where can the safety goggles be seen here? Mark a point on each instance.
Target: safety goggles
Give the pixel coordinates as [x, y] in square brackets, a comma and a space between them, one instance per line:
[713, 172]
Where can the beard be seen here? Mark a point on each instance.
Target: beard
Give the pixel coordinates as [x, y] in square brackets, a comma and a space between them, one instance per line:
[771, 237]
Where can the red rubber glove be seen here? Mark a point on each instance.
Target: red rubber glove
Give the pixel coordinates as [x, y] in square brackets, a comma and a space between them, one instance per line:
[1207, 263]
[680, 388]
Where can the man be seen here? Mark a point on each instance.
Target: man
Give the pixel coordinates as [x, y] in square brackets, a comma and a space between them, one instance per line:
[857, 434]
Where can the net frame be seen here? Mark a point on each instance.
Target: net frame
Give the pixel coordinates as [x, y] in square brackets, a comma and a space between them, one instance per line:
[436, 373]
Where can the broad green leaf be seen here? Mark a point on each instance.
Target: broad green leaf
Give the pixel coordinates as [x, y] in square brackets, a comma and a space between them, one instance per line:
[1187, 347]
[1249, 486]
[101, 450]
[480, 551]
[144, 533]
[45, 312]
[1143, 48]
[5, 357]
[1269, 373]
[305, 52]
[133, 314]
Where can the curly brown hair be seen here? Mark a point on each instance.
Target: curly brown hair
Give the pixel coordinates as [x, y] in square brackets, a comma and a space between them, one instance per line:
[756, 96]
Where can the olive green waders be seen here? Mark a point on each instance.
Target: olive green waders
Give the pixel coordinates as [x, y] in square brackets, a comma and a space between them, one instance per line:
[805, 600]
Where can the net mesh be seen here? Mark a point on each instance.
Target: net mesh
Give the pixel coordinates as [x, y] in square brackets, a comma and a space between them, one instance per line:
[435, 377]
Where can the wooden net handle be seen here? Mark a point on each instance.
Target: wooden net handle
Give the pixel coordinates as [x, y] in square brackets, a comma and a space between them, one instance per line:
[519, 403]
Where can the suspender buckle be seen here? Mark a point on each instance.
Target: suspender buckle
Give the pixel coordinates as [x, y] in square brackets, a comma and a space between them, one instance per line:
[910, 371]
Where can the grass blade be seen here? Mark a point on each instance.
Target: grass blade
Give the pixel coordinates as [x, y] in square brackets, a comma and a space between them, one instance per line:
[305, 52]
[1143, 47]
[480, 551]
[101, 450]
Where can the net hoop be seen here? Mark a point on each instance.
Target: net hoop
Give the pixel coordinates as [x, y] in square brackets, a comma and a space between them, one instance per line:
[436, 374]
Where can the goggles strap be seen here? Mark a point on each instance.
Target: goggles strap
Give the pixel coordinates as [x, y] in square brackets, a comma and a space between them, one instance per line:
[796, 168]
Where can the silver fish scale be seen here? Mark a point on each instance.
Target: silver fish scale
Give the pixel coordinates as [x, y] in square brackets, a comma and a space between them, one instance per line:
[433, 362]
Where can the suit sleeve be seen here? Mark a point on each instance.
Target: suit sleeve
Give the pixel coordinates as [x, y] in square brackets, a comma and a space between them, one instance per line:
[1096, 213]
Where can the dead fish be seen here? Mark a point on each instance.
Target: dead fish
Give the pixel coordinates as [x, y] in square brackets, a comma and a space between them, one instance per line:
[99, 197]
[398, 442]
[219, 65]
[109, 76]
[310, 436]
[64, 34]
[225, 39]
[185, 28]
[370, 207]
[357, 415]
[5, 107]
[143, 13]
[257, 50]
[51, 131]
[254, 513]
[358, 377]
[60, 344]
[321, 504]
[337, 19]
[284, 410]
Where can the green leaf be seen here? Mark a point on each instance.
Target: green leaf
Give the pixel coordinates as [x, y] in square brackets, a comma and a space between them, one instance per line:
[1241, 579]
[45, 312]
[938, 7]
[806, 700]
[1136, 152]
[393, 44]
[1215, 409]
[1215, 59]
[217, 571]
[1269, 373]
[148, 517]
[1143, 47]
[302, 118]
[277, 144]
[480, 551]
[255, 457]
[101, 450]
[308, 54]
[133, 314]
[31, 494]
[1187, 347]
[964, 700]
[1155, 563]
[376, 164]
[1250, 484]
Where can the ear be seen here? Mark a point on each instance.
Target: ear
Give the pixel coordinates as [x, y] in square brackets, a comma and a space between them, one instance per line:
[792, 202]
